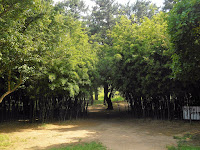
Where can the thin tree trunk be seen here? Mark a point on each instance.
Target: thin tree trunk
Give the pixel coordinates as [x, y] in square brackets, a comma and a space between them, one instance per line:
[91, 96]
[168, 108]
[108, 98]
[9, 86]
[96, 93]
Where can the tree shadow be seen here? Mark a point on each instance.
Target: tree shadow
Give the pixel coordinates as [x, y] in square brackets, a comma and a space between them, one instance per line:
[63, 145]
[98, 112]
[17, 126]
[60, 145]
[120, 111]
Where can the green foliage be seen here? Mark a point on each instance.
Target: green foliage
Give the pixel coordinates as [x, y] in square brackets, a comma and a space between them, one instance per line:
[168, 5]
[4, 141]
[184, 28]
[140, 9]
[74, 8]
[85, 146]
[46, 48]
[44, 43]
[187, 142]
[143, 9]
[183, 148]
[72, 59]
[23, 35]
[102, 18]
[117, 99]
[145, 55]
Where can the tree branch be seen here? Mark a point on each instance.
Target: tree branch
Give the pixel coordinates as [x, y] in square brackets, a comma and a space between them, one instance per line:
[10, 91]
[111, 92]
[9, 80]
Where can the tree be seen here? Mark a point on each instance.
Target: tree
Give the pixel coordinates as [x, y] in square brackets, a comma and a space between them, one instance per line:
[102, 19]
[184, 24]
[19, 45]
[184, 28]
[49, 50]
[73, 8]
[168, 5]
[140, 9]
[142, 61]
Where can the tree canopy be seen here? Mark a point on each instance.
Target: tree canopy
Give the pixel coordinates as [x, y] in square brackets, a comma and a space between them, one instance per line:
[52, 57]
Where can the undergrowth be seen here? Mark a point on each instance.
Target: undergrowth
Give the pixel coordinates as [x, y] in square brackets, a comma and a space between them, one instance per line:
[4, 141]
[115, 98]
[85, 146]
[187, 142]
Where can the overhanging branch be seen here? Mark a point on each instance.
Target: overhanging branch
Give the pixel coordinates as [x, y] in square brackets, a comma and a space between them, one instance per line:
[9, 89]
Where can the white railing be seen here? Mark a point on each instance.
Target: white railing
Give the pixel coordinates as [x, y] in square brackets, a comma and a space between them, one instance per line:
[192, 112]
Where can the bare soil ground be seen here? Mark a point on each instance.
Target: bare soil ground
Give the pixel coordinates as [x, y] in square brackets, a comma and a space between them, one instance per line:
[114, 129]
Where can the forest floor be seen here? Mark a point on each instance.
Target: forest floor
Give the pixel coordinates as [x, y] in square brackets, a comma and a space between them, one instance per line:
[114, 129]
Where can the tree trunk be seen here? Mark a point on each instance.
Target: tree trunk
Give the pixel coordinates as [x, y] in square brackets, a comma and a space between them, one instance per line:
[91, 96]
[168, 107]
[9, 86]
[108, 98]
[96, 93]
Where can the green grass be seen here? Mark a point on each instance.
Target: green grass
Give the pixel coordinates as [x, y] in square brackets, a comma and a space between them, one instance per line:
[183, 148]
[4, 141]
[96, 102]
[187, 142]
[116, 98]
[85, 146]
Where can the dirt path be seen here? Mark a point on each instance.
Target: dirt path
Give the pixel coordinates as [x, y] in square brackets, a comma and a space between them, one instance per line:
[114, 129]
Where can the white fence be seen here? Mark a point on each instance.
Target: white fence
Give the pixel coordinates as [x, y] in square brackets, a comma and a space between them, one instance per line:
[193, 111]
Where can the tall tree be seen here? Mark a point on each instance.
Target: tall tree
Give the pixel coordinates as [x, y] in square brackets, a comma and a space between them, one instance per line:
[140, 9]
[102, 19]
[168, 5]
[184, 28]
[75, 8]
[184, 24]
[22, 26]
[142, 60]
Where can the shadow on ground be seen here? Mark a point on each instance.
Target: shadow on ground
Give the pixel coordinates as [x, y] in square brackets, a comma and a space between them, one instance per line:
[116, 129]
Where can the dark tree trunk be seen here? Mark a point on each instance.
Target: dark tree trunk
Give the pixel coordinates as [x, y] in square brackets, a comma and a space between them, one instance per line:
[109, 102]
[91, 96]
[32, 112]
[105, 93]
[108, 98]
[96, 93]
[168, 107]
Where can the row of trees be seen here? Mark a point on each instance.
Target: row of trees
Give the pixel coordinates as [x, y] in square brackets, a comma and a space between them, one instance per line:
[151, 57]
[54, 58]
[156, 61]
[45, 56]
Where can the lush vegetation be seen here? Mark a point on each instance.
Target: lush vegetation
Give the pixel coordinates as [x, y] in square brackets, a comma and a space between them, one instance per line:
[187, 142]
[85, 146]
[4, 141]
[46, 57]
[115, 98]
[53, 58]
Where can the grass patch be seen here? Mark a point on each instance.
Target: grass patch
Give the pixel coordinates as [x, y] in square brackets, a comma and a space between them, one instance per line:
[187, 142]
[96, 102]
[116, 98]
[4, 141]
[85, 146]
[183, 148]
